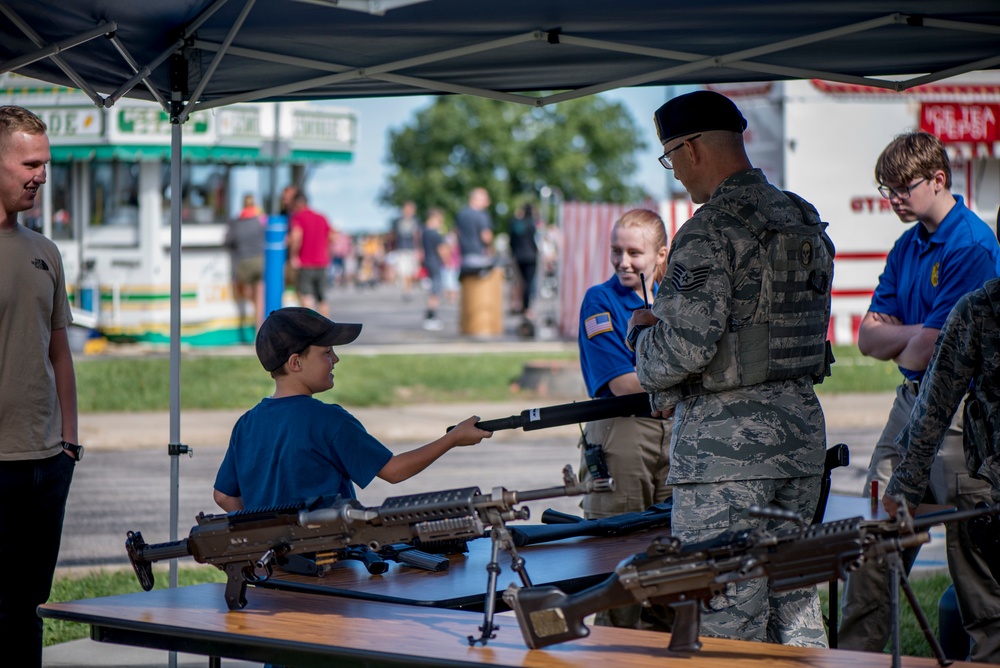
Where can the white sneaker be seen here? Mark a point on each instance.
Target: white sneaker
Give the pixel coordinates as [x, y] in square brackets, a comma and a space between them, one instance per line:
[433, 325]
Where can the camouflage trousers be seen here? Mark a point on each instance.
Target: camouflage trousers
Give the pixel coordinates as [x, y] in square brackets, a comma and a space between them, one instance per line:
[637, 451]
[866, 622]
[750, 610]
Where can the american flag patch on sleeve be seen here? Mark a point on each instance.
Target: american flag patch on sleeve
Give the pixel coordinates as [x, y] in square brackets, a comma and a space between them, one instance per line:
[598, 324]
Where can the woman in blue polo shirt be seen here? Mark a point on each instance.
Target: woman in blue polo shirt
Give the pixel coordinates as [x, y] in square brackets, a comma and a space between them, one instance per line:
[636, 449]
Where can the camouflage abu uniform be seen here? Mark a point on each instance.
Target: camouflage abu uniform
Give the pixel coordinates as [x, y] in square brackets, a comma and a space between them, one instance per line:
[760, 444]
[966, 354]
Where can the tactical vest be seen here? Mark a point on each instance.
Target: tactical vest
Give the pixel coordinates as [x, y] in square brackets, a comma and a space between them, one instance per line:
[786, 337]
[981, 415]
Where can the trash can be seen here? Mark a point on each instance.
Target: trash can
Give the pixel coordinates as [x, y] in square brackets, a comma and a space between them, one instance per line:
[481, 304]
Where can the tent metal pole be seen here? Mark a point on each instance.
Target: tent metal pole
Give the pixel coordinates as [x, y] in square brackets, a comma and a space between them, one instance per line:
[175, 449]
[364, 72]
[230, 36]
[60, 63]
[102, 28]
[141, 74]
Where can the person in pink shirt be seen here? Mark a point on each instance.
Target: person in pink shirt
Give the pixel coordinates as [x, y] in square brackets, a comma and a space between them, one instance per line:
[309, 238]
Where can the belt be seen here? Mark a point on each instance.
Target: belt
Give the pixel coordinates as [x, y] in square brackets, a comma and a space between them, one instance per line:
[913, 386]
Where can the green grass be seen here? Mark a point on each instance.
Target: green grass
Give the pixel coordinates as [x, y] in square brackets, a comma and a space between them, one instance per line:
[853, 372]
[143, 383]
[928, 589]
[97, 584]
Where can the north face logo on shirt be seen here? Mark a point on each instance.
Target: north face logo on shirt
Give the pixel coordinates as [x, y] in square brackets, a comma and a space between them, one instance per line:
[40, 264]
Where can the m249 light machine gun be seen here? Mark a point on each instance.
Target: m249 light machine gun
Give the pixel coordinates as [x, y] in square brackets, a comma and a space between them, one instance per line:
[683, 576]
[247, 543]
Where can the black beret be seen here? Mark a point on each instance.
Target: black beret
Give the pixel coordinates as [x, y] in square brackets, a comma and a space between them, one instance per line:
[701, 111]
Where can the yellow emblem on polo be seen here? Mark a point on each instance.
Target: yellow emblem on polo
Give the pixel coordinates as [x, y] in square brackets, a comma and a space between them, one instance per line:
[935, 274]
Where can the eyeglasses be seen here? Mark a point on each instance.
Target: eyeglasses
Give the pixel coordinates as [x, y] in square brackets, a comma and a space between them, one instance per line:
[666, 160]
[902, 192]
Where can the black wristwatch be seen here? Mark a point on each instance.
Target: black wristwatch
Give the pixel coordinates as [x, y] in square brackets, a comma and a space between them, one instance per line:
[633, 336]
[74, 449]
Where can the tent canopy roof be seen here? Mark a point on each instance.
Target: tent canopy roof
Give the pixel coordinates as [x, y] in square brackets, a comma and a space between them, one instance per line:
[240, 50]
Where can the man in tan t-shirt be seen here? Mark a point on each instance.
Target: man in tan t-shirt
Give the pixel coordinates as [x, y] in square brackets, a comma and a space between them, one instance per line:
[38, 421]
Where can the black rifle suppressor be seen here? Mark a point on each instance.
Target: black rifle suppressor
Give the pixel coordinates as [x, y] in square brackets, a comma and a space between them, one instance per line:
[626, 405]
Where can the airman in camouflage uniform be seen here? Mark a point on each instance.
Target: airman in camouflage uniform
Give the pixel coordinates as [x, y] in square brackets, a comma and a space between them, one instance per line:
[743, 434]
[967, 354]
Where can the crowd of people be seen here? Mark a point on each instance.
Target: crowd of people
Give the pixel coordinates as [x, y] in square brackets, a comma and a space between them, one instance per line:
[416, 255]
[725, 332]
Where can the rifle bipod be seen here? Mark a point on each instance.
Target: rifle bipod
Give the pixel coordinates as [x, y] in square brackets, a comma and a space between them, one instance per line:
[499, 537]
[898, 579]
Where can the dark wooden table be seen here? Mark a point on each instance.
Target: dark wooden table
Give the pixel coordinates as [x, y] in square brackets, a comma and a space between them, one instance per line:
[307, 631]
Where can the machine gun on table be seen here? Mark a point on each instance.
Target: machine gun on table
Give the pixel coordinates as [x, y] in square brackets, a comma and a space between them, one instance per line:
[682, 576]
[246, 544]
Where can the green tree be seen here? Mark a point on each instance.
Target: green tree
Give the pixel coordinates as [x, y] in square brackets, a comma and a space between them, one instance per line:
[585, 148]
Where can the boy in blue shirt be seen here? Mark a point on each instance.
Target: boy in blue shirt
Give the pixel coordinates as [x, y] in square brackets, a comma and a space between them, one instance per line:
[291, 447]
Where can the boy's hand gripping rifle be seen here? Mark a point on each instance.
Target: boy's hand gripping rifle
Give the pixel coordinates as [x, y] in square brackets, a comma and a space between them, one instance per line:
[683, 576]
[247, 543]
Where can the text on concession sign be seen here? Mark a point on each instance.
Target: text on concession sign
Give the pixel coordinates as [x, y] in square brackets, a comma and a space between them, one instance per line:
[957, 122]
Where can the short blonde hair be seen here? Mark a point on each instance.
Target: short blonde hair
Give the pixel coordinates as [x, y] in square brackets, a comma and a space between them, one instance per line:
[18, 119]
[651, 223]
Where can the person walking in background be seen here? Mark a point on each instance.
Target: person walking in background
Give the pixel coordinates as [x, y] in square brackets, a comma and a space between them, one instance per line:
[309, 239]
[948, 253]
[38, 417]
[435, 253]
[524, 250]
[342, 257]
[748, 430]
[634, 451]
[475, 234]
[287, 199]
[451, 268]
[245, 241]
[404, 244]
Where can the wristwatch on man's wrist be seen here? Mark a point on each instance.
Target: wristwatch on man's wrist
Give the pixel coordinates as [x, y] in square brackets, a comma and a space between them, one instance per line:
[73, 449]
[633, 336]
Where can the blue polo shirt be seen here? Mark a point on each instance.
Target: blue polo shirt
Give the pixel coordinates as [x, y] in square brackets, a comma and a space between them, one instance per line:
[925, 275]
[604, 316]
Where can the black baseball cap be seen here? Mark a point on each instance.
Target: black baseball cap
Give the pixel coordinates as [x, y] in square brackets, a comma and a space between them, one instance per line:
[700, 111]
[292, 329]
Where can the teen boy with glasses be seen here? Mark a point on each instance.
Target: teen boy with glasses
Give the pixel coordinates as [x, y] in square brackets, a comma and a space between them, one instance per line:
[948, 253]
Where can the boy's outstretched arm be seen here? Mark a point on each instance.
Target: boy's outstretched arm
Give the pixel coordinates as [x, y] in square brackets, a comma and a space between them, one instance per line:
[408, 464]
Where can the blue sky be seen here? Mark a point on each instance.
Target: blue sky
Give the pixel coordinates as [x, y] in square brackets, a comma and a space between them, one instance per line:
[348, 193]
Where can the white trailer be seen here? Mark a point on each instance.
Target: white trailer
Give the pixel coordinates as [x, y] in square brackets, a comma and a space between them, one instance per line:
[107, 201]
